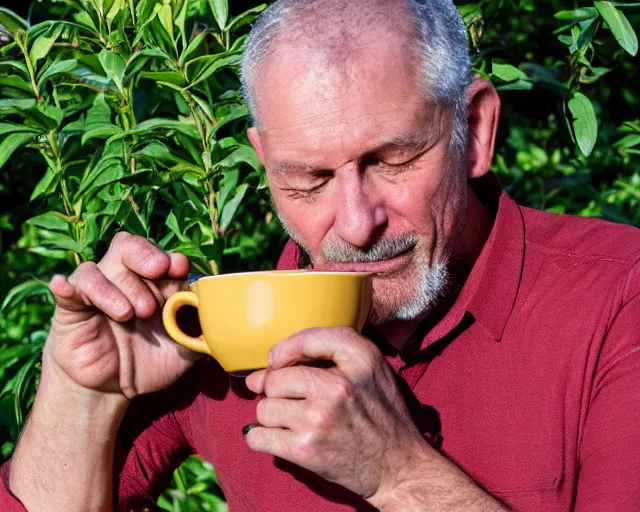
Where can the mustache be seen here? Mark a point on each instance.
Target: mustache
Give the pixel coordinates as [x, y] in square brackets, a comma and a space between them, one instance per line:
[339, 251]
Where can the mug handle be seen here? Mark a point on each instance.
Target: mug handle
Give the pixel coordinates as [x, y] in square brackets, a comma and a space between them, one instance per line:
[171, 307]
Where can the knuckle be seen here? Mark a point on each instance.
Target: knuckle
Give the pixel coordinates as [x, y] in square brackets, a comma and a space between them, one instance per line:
[321, 418]
[120, 238]
[341, 390]
[85, 271]
[265, 412]
[305, 445]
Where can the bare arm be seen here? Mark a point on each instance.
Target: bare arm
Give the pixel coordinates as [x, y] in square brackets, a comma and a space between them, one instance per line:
[64, 460]
[435, 483]
[106, 346]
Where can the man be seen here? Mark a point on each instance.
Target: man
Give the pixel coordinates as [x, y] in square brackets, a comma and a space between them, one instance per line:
[501, 365]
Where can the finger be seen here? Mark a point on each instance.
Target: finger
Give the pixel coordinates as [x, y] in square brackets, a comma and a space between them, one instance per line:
[351, 352]
[65, 295]
[138, 255]
[274, 441]
[178, 266]
[281, 413]
[255, 381]
[300, 382]
[143, 296]
[94, 289]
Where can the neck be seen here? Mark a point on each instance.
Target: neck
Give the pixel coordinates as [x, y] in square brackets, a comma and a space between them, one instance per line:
[479, 221]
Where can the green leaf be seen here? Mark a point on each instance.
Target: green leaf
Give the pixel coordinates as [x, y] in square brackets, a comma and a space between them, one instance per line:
[47, 185]
[628, 141]
[244, 154]
[42, 45]
[232, 207]
[98, 123]
[619, 25]
[165, 15]
[193, 45]
[51, 220]
[172, 77]
[583, 14]
[585, 124]
[173, 225]
[22, 292]
[113, 65]
[12, 142]
[105, 172]
[11, 21]
[518, 85]
[16, 82]
[208, 65]
[14, 128]
[507, 72]
[159, 123]
[16, 106]
[227, 185]
[60, 241]
[57, 68]
[236, 113]
[14, 64]
[220, 10]
[245, 18]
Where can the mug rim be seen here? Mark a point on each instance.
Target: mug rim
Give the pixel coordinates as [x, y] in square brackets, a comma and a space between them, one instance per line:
[288, 272]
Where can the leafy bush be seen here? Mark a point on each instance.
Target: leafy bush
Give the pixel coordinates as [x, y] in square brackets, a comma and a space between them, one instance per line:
[127, 115]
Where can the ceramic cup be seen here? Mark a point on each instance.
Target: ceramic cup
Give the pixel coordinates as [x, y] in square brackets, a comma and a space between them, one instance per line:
[243, 315]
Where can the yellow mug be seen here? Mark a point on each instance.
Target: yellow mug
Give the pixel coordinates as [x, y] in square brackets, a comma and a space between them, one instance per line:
[243, 315]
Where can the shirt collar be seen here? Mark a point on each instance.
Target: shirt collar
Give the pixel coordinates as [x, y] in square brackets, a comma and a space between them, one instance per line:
[490, 290]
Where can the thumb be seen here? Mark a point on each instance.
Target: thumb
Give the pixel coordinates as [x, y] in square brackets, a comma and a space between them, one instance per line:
[65, 294]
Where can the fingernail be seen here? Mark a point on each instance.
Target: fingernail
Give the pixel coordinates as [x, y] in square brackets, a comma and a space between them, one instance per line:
[270, 358]
[247, 428]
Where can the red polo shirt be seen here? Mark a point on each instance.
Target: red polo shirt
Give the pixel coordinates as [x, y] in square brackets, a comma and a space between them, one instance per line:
[530, 382]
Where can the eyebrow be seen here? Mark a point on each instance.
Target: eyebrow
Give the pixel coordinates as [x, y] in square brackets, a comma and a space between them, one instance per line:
[413, 142]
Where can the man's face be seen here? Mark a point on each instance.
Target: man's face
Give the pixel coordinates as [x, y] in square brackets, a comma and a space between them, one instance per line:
[359, 170]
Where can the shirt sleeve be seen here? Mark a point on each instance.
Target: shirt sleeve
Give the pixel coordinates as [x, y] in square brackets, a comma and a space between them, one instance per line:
[152, 442]
[609, 474]
[8, 502]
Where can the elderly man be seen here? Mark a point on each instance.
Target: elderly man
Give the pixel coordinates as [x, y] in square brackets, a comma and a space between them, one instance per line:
[501, 363]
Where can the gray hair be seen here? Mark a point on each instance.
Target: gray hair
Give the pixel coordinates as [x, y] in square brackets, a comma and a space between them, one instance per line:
[441, 50]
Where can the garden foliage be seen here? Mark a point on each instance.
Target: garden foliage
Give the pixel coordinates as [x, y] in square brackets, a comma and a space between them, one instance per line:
[127, 115]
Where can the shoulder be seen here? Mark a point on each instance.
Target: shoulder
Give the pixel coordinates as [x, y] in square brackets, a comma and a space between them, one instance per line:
[582, 238]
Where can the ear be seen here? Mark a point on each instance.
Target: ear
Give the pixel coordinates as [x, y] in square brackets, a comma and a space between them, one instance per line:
[483, 105]
[254, 138]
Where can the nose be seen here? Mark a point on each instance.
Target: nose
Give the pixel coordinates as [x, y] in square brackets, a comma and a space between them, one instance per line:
[359, 212]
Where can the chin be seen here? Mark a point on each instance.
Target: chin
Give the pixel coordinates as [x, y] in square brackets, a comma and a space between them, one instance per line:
[406, 298]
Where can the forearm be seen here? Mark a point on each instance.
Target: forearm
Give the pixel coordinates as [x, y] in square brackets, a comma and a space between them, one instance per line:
[435, 483]
[64, 460]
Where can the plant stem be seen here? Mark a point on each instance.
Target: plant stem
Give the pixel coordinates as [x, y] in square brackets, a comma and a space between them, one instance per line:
[23, 47]
[53, 144]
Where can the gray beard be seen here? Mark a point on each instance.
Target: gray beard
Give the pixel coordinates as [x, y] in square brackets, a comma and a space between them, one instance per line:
[432, 287]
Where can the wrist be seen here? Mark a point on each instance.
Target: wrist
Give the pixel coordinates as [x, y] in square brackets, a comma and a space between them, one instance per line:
[405, 477]
[63, 402]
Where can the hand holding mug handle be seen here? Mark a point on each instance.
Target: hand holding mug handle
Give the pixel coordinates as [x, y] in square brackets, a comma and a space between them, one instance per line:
[169, 312]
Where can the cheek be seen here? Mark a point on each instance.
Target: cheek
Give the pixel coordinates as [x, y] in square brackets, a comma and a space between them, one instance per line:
[310, 220]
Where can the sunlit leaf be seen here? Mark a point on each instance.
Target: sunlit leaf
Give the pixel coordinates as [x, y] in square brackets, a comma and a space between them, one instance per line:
[42, 45]
[113, 65]
[507, 72]
[220, 10]
[231, 207]
[16, 82]
[619, 25]
[585, 124]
